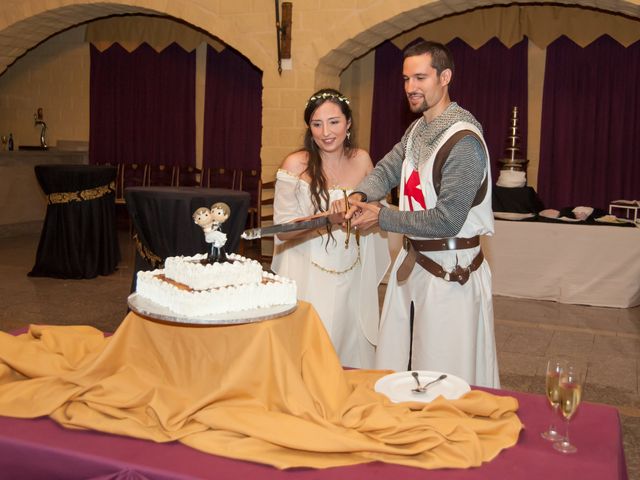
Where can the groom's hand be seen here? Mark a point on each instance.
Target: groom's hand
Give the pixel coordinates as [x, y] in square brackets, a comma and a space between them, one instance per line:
[365, 215]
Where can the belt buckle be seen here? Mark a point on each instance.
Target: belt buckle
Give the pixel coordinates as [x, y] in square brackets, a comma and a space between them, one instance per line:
[459, 274]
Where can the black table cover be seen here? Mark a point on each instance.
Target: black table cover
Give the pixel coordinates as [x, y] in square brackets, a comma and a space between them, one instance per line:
[79, 237]
[162, 218]
[516, 200]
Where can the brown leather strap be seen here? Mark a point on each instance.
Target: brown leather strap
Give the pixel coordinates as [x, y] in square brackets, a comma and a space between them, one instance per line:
[458, 274]
[443, 154]
[440, 244]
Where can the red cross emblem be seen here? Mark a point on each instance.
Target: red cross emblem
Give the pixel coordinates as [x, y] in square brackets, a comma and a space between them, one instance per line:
[413, 190]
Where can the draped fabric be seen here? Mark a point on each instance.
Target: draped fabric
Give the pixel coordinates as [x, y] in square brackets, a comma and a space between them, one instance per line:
[233, 112]
[271, 392]
[488, 82]
[142, 106]
[590, 119]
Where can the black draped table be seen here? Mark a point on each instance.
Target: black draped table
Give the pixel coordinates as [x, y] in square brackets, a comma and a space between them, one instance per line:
[518, 200]
[162, 218]
[79, 237]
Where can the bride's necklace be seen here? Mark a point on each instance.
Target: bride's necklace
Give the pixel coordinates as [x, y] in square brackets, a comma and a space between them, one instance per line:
[333, 173]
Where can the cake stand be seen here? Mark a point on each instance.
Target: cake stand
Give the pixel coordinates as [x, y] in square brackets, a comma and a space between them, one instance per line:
[149, 309]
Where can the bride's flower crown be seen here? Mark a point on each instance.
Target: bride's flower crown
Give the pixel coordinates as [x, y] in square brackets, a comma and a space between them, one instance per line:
[325, 95]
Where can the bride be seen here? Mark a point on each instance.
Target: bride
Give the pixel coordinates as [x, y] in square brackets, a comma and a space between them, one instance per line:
[338, 272]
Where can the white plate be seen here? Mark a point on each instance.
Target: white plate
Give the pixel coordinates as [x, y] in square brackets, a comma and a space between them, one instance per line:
[147, 308]
[398, 387]
[513, 215]
[613, 220]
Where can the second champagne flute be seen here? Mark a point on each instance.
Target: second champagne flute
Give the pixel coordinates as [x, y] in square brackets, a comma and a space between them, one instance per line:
[570, 395]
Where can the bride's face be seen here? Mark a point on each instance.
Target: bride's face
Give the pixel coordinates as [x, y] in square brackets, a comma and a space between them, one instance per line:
[329, 127]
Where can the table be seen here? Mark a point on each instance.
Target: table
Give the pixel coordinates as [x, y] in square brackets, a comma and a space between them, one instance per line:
[629, 210]
[162, 218]
[568, 263]
[279, 366]
[79, 236]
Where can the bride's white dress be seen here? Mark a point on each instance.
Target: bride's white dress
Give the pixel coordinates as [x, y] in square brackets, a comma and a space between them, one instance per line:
[341, 283]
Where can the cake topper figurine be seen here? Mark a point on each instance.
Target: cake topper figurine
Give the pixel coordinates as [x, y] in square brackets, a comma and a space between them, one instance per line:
[210, 220]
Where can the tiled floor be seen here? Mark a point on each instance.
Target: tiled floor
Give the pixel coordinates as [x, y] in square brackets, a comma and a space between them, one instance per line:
[605, 340]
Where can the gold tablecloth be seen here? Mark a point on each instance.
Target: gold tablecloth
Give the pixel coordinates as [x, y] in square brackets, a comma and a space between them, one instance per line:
[271, 392]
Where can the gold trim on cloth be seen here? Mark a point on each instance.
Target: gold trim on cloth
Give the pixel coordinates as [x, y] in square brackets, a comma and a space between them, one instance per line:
[339, 272]
[82, 195]
[154, 260]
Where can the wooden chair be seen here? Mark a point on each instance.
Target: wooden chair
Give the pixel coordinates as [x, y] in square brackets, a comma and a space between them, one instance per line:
[266, 192]
[129, 175]
[218, 177]
[161, 175]
[188, 176]
[249, 181]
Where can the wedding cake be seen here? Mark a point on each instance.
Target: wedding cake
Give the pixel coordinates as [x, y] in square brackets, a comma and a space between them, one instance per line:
[215, 284]
[193, 287]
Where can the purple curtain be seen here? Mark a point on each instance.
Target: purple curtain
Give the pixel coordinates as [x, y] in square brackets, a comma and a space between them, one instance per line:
[590, 122]
[390, 114]
[489, 82]
[233, 112]
[142, 106]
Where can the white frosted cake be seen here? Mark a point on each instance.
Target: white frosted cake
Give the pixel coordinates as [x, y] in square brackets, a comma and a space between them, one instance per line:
[199, 275]
[511, 179]
[191, 287]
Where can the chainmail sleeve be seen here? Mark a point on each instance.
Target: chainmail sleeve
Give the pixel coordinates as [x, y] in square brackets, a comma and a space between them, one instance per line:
[462, 175]
[387, 173]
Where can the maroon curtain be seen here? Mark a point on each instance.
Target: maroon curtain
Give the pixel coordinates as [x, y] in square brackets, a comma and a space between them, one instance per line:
[488, 82]
[390, 114]
[142, 106]
[233, 112]
[590, 145]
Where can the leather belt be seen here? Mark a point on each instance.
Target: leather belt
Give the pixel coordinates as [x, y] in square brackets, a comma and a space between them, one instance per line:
[458, 274]
[440, 244]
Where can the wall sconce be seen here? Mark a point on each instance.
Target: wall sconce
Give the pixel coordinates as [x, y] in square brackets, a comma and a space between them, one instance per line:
[283, 35]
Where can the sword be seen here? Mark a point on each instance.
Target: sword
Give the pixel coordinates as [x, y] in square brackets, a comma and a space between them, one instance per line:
[331, 219]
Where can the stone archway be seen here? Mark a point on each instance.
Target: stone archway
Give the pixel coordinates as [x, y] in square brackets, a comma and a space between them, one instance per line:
[356, 35]
[21, 31]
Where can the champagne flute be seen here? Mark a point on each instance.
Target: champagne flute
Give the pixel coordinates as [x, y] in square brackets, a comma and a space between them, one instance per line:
[570, 395]
[552, 389]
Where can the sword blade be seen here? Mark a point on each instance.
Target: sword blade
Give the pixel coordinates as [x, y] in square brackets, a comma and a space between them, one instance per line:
[255, 233]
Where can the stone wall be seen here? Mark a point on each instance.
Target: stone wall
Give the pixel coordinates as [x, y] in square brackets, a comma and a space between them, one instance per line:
[327, 36]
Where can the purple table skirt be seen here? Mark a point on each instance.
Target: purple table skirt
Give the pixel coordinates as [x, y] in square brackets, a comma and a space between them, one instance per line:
[40, 448]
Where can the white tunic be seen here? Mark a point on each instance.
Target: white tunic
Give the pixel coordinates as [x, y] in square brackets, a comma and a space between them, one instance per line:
[341, 283]
[453, 323]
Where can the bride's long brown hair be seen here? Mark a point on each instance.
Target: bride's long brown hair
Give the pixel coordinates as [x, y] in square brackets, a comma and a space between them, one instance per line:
[318, 185]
